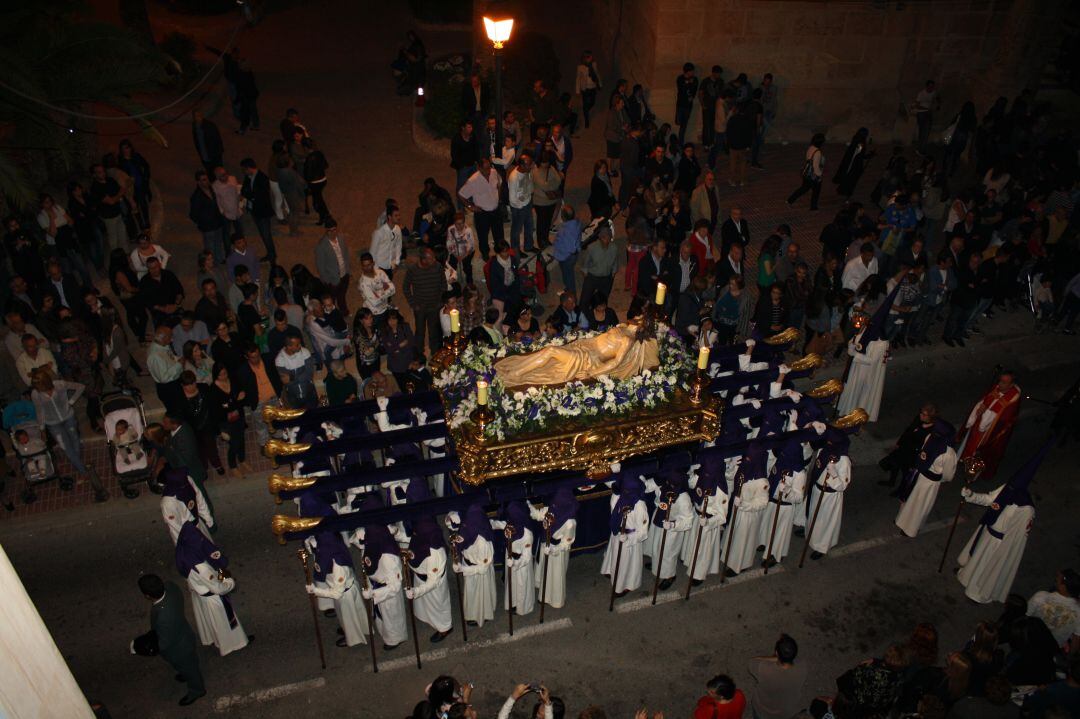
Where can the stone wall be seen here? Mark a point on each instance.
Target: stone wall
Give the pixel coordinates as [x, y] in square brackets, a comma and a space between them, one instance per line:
[839, 65]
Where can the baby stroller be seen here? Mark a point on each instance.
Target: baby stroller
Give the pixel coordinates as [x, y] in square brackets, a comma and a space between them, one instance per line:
[35, 458]
[131, 465]
[534, 278]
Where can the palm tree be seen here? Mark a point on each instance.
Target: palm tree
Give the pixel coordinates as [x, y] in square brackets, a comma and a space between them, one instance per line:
[57, 65]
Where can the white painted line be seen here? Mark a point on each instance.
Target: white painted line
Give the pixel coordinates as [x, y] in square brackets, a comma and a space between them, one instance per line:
[409, 660]
[231, 701]
[853, 548]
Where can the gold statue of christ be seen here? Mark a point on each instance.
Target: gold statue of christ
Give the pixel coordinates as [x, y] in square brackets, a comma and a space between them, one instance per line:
[617, 353]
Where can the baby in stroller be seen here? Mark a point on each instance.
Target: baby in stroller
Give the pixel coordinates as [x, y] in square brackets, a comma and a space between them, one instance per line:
[127, 443]
[32, 450]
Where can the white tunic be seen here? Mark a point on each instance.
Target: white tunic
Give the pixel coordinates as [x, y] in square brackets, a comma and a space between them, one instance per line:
[914, 511]
[987, 573]
[558, 554]
[341, 588]
[389, 600]
[431, 595]
[711, 531]
[519, 571]
[866, 381]
[176, 514]
[631, 564]
[478, 571]
[827, 530]
[791, 491]
[323, 603]
[682, 519]
[753, 498]
[210, 617]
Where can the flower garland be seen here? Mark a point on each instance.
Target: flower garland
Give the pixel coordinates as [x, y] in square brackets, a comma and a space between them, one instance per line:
[536, 408]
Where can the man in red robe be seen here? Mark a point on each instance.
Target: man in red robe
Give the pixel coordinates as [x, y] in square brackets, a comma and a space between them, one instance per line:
[990, 424]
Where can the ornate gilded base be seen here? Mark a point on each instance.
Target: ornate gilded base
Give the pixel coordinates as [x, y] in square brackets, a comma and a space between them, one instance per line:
[589, 448]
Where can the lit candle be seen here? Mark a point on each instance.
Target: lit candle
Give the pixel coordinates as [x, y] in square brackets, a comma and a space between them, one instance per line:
[481, 393]
[703, 358]
[661, 293]
[455, 321]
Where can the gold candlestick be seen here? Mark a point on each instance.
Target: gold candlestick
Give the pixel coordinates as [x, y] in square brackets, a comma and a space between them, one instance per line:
[699, 386]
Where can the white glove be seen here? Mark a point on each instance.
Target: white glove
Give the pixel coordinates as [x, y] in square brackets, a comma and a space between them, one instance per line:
[702, 521]
[410, 593]
[668, 524]
[546, 549]
[966, 493]
[783, 369]
[738, 501]
[818, 427]
[755, 403]
[310, 588]
[792, 394]
[452, 520]
[366, 593]
[623, 537]
[457, 568]
[616, 467]
[382, 402]
[750, 345]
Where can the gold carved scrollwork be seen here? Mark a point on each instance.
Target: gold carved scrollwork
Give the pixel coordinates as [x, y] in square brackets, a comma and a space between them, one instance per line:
[590, 449]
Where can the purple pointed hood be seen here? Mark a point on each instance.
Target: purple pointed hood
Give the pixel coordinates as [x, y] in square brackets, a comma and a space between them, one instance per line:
[193, 548]
[330, 548]
[475, 523]
[563, 507]
[630, 492]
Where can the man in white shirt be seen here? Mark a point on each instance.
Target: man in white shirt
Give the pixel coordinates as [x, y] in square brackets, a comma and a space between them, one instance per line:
[857, 270]
[1059, 609]
[386, 242]
[376, 288]
[519, 185]
[34, 355]
[480, 194]
[227, 192]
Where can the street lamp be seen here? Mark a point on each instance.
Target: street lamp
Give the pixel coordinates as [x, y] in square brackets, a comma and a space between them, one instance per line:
[498, 31]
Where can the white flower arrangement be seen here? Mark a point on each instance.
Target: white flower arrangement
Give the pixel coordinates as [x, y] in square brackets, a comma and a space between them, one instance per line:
[535, 408]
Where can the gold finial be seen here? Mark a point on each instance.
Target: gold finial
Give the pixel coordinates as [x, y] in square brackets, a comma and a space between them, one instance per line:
[273, 412]
[854, 418]
[810, 361]
[828, 388]
[283, 523]
[280, 448]
[973, 465]
[782, 338]
[284, 483]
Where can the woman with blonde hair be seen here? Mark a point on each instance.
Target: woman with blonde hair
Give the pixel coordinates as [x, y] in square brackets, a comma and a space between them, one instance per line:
[54, 401]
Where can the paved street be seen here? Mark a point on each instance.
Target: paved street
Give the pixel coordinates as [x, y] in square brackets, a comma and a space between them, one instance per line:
[80, 563]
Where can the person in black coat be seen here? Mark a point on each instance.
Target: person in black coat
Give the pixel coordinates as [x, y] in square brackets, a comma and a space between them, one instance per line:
[463, 155]
[207, 139]
[170, 634]
[204, 212]
[771, 315]
[64, 288]
[730, 265]
[256, 190]
[657, 267]
[734, 230]
[602, 202]
[474, 100]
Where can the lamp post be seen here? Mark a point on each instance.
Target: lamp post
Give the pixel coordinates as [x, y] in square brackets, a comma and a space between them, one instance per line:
[498, 31]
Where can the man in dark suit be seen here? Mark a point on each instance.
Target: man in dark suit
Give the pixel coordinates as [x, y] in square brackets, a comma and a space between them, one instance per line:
[474, 100]
[182, 449]
[64, 288]
[657, 267]
[566, 316]
[256, 190]
[208, 142]
[688, 268]
[730, 265]
[174, 637]
[734, 230]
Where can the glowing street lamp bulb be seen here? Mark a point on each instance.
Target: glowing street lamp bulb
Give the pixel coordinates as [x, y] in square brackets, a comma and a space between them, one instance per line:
[498, 31]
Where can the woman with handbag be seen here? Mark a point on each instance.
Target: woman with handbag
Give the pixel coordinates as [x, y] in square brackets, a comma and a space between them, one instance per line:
[227, 411]
[812, 172]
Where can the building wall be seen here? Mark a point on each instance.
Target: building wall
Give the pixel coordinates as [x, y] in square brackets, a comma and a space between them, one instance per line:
[839, 65]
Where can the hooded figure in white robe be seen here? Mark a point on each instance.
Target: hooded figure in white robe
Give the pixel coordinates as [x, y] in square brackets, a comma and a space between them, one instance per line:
[787, 483]
[868, 351]
[182, 501]
[832, 475]
[335, 579]
[751, 497]
[519, 588]
[560, 519]
[474, 541]
[934, 464]
[430, 589]
[672, 493]
[382, 563]
[203, 565]
[629, 534]
[710, 510]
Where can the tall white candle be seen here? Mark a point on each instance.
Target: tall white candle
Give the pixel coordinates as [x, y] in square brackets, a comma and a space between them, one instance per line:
[455, 321]
[481, 393]
[703, 358]
[661, 293]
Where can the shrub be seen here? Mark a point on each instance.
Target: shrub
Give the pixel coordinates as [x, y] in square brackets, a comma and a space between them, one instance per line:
[442, 94]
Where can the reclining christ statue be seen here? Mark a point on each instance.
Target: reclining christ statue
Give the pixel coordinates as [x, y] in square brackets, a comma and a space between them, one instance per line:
[617, 353]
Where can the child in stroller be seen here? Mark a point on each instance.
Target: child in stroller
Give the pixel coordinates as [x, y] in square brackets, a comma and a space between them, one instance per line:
[35, 460]
[128, 446]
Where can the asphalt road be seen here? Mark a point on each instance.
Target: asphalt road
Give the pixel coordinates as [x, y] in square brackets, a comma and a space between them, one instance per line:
[80, 568]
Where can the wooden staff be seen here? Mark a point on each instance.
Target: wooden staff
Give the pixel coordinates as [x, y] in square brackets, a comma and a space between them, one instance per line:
[508, 532]
[302, 555]
[618, 558]
[972, 466]
[406, 555]
[697, 546]
[663, 542]
[547, 560]
[813, 521]
[772, 533]
[460, 581]
[369, 609]
[731, 525]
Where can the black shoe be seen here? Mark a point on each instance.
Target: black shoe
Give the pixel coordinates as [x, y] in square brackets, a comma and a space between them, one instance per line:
[623, 593]
[329, 613]
[341, 642]
[950, 341]
[666, 583]
[696, 582]
[220, 471]
[729, 573]
[251, 638]
[191, 698]
[439, 636]
[815, 555]
[390, 647]
[760, 548]
[769, 563]
[101, 496]
[471, 623]
[960, 341]
[341, 632]
[799, 531]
